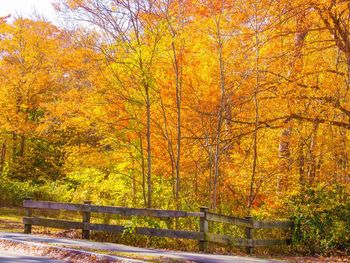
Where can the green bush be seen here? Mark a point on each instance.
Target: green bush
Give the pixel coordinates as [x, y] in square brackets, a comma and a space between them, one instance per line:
[322, 219]
[12, 192]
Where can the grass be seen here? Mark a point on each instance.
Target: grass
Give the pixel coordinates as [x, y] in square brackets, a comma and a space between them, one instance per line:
[11, 214]
[11, 219]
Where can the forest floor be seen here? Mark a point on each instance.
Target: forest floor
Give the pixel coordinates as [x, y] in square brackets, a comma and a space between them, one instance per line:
[11, 222]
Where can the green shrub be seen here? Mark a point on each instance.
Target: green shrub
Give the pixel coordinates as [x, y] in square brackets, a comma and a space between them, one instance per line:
[12, 192]
[322, 219]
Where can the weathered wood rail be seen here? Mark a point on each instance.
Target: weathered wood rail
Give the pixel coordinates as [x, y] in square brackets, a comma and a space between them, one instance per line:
[203, 236]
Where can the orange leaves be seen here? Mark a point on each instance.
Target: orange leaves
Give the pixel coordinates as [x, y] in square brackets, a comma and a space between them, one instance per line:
[25, 69]
[214, 7]
[192, 63]
[74, 4]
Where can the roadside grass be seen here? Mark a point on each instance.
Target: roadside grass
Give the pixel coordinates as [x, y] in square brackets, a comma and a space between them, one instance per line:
[11, 214]
[11, 219]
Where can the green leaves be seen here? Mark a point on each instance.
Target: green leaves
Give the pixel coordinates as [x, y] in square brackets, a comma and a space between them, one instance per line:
[321, 216]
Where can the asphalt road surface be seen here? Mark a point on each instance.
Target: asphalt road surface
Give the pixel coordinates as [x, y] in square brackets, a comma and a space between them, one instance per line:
[84, 244]
[13, 257]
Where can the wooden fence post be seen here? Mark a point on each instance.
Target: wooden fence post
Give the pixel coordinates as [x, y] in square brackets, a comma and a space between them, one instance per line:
[249, 234]
[86, 222]
[28, 213]
[203, 228]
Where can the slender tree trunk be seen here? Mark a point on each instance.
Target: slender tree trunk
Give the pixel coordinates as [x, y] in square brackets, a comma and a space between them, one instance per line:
[170, 148]
[256, 107]
[301, 163]
[196, 182]
[297, 64]
[14, 146]
[3, 157]
[178, 89]
[22, 146]
[220, 117]
[177, 65]
[284, 143]
[134, 190]
[210, 164]
[311, 169]
[143, 170]
[178, 105]
[149, 157]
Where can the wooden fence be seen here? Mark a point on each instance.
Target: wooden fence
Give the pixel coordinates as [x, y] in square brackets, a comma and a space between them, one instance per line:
[203, 236]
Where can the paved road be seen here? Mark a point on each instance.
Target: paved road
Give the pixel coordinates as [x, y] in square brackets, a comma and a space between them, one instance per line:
[84, 244]
[12, 257]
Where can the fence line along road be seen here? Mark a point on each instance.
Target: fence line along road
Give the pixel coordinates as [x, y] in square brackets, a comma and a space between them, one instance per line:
[203, 236]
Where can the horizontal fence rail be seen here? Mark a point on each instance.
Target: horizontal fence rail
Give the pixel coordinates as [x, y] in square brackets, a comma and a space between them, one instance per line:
[247, 222]
[203, 236]
[65, 224]
[123, 211]
[229, 220]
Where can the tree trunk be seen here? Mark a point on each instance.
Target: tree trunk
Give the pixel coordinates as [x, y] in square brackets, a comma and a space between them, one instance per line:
[143, 171]
[297, 64]
[3, 156]
[178, 85]
[256, 107]
[149, 157]
[22, 146]
[220, 117]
